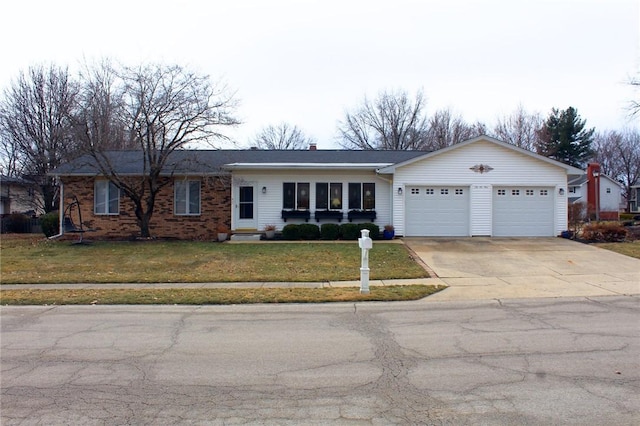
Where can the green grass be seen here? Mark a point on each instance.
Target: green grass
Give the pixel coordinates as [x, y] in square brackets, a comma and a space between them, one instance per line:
[212, 296]
[31, 260]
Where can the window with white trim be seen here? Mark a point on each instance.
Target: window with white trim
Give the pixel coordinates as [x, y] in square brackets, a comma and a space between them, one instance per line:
[544, 192]
[429, 191]
[415, 191]
[459, 191]
[502, 192]
[515, 192]
[186, 197]
[529, 192]
[608, 190]
[444, 191]
[106, 198]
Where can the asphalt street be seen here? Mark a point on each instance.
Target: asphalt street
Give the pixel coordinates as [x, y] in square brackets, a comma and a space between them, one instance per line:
[533, 361]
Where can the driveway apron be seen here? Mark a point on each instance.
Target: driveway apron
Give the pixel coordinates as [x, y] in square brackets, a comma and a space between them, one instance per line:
[496, 268]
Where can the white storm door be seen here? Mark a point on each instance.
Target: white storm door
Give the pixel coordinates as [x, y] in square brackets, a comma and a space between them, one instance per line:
[245, 207]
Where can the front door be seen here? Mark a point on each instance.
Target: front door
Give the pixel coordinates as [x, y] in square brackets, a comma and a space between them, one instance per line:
[245, 207]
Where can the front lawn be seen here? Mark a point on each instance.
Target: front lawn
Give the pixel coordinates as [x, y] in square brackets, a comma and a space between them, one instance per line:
[215, 296]
[33, 259]
[630, 248]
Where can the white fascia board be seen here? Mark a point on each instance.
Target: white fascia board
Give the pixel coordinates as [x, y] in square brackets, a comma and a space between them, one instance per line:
[308, 166]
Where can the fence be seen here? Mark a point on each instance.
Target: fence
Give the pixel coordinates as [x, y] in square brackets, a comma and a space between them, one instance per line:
[20, 224]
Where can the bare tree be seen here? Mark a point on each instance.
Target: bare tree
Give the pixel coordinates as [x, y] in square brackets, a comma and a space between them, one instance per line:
[446, 129]
[36, 128]
[282, 136]
[619, 156]
[164, 109]
[634, 104]
[99, 119]
[519, 129]
[392, 121]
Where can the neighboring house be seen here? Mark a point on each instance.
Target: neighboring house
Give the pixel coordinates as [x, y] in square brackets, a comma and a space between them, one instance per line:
[634, 200]
[480, 187]
[18, 196]
[601, 194]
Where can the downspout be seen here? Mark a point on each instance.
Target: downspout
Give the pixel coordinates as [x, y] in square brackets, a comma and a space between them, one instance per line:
[60, 211]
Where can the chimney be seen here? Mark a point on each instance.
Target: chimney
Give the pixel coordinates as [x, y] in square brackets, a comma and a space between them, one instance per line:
[313, 147]
[593, 189]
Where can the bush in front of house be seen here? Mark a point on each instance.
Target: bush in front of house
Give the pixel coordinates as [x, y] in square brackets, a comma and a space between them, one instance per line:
[604, 232]
[330, 231]
[309, 231]
[626, 216]
[374, 230]
[350, 231]
[50, 224]
[17, 223]
[291, 232]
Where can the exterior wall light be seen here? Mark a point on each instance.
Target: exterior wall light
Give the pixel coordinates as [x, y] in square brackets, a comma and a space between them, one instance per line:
[264, 189]
[561, 191]
[399, 191]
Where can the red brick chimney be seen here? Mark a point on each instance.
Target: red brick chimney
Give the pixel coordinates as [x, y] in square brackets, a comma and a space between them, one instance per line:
[593, 189]
[313, 147]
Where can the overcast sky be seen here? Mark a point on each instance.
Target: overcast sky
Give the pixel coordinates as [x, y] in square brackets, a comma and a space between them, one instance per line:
[306, 62]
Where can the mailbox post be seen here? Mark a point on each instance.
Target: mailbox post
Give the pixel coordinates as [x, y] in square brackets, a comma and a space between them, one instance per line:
[365, 244]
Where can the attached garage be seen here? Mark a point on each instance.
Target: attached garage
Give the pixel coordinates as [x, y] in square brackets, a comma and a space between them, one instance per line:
[523, 211]
[480, 187]
[437, 211]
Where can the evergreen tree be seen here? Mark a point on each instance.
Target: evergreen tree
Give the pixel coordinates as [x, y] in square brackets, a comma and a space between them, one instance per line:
[563, 137]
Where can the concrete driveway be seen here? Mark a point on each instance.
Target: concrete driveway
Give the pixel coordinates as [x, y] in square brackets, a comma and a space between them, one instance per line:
[496, 268]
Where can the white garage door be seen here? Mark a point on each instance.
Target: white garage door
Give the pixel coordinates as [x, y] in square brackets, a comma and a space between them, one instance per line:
[437, 211]
[523, 212]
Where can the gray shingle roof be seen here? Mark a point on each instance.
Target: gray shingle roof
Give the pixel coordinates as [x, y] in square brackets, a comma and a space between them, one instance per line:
[218, 161]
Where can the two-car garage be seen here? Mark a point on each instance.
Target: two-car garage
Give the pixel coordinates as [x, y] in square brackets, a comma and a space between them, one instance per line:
[480, 187]
[447, 211]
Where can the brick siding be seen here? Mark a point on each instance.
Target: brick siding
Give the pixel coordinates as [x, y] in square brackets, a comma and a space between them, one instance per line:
[215, 199]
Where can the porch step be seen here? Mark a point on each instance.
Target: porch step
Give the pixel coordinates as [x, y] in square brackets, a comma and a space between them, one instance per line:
[245, 237]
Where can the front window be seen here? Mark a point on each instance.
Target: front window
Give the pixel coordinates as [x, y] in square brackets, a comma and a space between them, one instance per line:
[187, 197]
[328, 196]
[295, 196]
[362, 196]
[106, 198]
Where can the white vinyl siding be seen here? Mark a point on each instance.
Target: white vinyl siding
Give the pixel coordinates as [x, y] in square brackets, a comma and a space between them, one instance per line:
[270, 203]
[510, 168]
[106, 198]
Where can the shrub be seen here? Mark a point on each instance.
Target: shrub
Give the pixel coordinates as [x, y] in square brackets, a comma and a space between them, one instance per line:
[349, 231]
[607, 231]
[330, 231]
[18, 223]
[50, 224]
[309, 231]
[291, 232]
[374, 230]
[626, 216]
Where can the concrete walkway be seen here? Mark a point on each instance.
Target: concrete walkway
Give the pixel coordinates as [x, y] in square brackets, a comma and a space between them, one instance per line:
[499, 268]
[475, 269]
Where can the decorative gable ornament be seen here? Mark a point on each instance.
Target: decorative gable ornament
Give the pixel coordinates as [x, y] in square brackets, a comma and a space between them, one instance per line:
[481, 168]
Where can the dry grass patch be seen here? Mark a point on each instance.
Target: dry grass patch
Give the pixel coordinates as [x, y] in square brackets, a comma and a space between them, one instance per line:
[31, 260]
[212, 296]
[630, 248]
